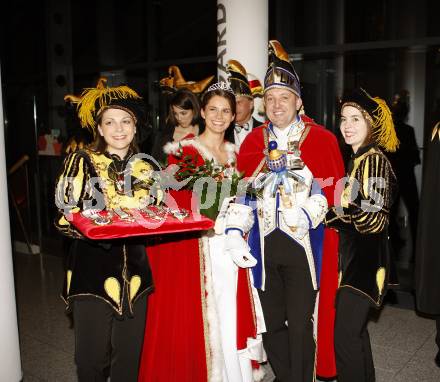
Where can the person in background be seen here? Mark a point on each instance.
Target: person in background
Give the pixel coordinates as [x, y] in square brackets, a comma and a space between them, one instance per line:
[244, 121]
[107, 282]
[427, 259]
[361, 218]
[295, 255]
[404, 160]
[183, 119]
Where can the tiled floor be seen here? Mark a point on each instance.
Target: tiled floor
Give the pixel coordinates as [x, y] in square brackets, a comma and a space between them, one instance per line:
[403, 342]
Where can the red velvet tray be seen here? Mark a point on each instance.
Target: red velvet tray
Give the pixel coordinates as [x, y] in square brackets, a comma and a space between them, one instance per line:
[142, 226]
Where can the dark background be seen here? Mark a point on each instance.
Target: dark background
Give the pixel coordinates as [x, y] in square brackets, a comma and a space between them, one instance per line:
[51, 48]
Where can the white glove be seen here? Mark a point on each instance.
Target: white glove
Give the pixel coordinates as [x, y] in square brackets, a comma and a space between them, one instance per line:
[297, 220]
[237, 248]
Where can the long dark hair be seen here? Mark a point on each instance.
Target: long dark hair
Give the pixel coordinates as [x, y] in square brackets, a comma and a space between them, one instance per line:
[186, 100]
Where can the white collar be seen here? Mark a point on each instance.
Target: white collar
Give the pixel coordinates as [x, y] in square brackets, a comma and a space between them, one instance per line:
[293, 129]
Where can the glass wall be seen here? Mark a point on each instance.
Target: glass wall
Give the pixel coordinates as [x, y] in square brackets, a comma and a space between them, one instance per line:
[384, 46]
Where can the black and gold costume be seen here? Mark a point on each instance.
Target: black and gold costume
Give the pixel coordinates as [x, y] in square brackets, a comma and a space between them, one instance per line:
[111, 270]
[362, 219]
[362, 222]
[107, 281]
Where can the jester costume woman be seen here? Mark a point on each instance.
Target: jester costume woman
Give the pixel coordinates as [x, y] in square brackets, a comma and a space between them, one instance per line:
[362, 217]
[106, 282]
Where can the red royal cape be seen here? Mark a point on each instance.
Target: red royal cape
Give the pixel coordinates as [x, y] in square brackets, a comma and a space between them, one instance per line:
[320, 152]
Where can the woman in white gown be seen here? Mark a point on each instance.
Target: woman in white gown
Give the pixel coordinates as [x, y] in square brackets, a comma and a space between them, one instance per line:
[234, 313]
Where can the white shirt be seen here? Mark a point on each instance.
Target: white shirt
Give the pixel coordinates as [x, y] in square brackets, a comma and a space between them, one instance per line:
[290, 133]
[241, 132]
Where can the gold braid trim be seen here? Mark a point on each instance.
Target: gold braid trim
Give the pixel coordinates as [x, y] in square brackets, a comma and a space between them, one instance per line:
[372, 164]
[377, 303]
[202, 270]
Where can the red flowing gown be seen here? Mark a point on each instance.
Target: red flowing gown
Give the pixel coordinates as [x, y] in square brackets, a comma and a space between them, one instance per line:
[177, 343]
[175, 347]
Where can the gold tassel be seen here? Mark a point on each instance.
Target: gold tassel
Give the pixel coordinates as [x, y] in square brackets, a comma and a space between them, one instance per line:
[380, 279]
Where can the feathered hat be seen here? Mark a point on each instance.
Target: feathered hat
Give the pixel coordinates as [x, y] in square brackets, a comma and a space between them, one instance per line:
[93, 101]
[175, 81]
[238, 79]
[281, 73]
[377, 112]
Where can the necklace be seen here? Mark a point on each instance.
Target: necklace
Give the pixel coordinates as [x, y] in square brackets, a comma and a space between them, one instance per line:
[117, 172]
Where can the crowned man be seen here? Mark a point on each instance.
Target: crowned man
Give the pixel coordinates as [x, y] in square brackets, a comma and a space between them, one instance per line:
[294, 164]
[244, 96]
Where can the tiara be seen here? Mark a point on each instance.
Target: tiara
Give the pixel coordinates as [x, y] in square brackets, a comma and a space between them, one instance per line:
[220, 86]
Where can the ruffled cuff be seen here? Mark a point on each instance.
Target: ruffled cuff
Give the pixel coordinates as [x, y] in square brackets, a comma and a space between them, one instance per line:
[315, 207]
[239, 216]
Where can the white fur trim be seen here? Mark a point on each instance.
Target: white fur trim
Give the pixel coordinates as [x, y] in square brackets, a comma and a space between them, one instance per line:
[173, 148]
[215, 346]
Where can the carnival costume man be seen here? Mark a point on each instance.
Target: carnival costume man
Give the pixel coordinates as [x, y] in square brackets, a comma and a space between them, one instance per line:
[296, 256]
[106, 282]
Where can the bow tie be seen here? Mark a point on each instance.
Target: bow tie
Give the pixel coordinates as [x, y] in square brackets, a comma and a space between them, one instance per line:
[238, 128]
